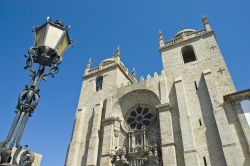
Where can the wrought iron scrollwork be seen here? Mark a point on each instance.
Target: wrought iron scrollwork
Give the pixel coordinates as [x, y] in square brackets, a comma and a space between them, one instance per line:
[29, 61]
[33, 57]
[41, 61]
[27, 102]
[54, 69]
[27, 158]
[22, 100]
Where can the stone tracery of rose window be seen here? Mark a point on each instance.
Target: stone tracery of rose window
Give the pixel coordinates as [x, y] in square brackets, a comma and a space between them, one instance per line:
[141, 116]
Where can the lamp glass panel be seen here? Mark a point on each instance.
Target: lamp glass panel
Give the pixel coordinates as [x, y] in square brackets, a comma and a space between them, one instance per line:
[40, 36]
[53, 36]
[63, 45]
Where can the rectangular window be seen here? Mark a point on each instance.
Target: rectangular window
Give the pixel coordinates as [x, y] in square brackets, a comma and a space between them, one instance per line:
[205, 161]
[99, 81]
[195, 84]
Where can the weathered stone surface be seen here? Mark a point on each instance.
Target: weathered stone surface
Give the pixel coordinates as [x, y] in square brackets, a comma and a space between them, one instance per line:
[191, 123]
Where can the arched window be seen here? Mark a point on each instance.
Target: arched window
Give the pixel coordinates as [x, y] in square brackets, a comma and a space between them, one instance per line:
[99, 81]
[188, 54]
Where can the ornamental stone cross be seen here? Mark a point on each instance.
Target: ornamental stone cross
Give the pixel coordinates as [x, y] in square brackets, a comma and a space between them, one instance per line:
[213, 47]
[221, 70]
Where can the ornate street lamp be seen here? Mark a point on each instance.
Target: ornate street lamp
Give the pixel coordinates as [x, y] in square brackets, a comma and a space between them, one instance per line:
[51, 41]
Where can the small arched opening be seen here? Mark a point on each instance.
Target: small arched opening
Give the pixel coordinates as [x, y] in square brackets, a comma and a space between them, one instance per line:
[99, 82]
[188, 54]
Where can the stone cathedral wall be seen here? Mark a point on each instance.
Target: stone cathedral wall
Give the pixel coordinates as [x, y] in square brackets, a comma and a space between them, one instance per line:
[197, 125]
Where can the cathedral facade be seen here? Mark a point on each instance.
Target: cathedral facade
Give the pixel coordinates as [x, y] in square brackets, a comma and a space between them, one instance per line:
[188, 115]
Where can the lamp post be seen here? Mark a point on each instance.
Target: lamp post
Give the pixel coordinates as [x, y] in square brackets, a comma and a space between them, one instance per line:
[51, 41]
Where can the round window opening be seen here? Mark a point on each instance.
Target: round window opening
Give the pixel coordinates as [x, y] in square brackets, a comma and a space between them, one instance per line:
[140, 116]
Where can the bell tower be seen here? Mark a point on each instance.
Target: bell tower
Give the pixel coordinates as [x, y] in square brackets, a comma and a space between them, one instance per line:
[197, 80]
[97, 87]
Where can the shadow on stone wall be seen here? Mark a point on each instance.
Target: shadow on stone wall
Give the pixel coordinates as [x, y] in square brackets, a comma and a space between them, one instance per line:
[211, 131]
[176, 127]
[87, 138]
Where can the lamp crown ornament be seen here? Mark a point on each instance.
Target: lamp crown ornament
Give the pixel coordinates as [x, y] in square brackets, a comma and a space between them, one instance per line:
[43, 60]
[59, 23]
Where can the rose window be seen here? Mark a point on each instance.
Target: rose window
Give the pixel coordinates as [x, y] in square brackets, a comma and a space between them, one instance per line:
[140, 117]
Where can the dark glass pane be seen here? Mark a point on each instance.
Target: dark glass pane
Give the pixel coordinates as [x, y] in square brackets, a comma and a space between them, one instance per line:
[139, 118]
[146, 122]
[133, 113]
[145, 111]
[99, 83]
[148, 116]
[133, 125]
[139, 110]
[188, 54]
[130, 120]
[139, 126]
[138, 140]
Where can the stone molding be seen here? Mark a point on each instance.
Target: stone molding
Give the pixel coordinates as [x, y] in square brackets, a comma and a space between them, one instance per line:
[177, 80]
[111, 120]
[169, 144]
[183, 38]
[164, 107]
[110, 66]
[205, 72]
[237, 97]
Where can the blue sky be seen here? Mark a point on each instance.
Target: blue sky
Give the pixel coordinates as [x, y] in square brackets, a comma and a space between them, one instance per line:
[98, 27]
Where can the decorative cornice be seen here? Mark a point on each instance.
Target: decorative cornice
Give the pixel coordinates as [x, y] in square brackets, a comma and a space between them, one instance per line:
[183, 38]
[109, 66]
[237, 96]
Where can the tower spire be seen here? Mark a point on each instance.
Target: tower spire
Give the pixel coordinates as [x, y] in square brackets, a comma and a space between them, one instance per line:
[88, 65]
[133, 73]
[117, 54]
[161, 39]
[182, 27]
[206, 23]
[118, 51]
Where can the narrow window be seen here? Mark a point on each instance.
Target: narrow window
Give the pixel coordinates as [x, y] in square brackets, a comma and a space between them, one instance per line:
[99, 81]
[195, 84]
[188, 54]
[200, 122]
[205, 161]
